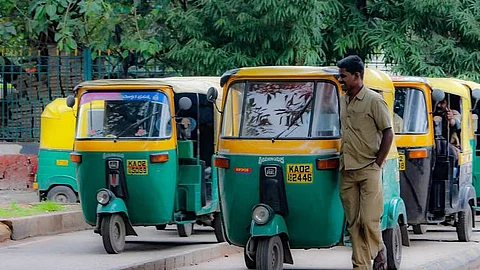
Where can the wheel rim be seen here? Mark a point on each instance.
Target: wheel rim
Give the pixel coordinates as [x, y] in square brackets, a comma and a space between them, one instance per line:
[61, 198]
[117, 234]
[275, 256]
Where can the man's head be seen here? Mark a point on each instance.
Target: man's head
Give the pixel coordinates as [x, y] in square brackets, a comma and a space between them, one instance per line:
[442, 106]
[351, 73]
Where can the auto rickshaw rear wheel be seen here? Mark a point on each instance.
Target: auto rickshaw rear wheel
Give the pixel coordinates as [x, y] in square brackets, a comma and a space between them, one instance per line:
[185, 230]
[269, 255]
[465, 224]
[62, 194]
[113, 233]
[419, 228]
[218, 227]
[392, 239]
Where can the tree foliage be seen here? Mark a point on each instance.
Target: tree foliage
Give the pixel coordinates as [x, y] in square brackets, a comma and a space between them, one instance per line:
[204, 37]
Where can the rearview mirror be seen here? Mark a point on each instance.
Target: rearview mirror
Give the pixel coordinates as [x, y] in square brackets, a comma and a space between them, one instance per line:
[70, 101]
[212, 94]
[438, 95]
[184, 103]
[476, 94]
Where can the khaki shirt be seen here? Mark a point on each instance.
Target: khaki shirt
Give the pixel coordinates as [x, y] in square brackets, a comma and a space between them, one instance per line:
[363, 119]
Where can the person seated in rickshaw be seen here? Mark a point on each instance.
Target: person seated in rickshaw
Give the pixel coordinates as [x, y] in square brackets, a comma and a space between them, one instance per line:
[450, 127]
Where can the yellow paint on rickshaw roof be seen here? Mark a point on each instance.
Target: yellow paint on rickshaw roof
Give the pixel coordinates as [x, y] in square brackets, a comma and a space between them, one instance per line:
[57, 108]
[378, 80]
[284, 71]
[178, 84]
[448, 85]
[57, 126]
[472, 85]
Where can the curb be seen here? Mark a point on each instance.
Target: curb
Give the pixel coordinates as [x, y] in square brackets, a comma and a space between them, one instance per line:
[467, 259]
[46, 224]
[184, 259]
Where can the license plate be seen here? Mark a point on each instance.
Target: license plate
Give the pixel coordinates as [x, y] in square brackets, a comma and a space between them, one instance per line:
[401, 162]
[137, 166]
[300, 173]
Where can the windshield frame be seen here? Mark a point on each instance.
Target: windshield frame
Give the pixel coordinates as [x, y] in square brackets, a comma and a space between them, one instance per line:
[427, 111]
[121, 89]
[247, 83]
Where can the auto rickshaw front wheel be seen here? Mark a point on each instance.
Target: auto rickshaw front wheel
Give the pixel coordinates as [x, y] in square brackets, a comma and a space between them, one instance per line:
[218, 227]
[392, 239]
[113, 233]
[185, 230]
[62, 194]
[465, 224]
[161, 227]
[269, 255]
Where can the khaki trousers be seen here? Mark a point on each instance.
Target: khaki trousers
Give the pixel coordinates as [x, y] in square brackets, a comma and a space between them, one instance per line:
[362, 199]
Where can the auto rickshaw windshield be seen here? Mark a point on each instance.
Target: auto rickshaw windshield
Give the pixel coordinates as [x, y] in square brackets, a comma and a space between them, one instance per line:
[410, 110]
[124, 115]
[281, 110]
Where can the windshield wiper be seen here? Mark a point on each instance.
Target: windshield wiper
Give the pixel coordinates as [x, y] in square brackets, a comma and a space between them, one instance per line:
[294, 120]
[136, 124]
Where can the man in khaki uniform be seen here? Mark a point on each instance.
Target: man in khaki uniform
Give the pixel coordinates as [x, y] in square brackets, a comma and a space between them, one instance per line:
[366, 139]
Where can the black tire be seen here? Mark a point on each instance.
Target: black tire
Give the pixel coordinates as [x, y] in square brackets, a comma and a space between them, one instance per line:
[113, 233]
[392, 239]
[464, 225]
[419, 229]
[250, 263]
[269, 253]
[62, 194]
[218, 227]
[161, 227]
[185, 230]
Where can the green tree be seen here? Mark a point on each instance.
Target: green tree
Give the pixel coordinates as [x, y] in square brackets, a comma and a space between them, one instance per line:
[205, 37]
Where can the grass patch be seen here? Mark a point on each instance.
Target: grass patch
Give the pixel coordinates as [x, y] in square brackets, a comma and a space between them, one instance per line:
[16, 210]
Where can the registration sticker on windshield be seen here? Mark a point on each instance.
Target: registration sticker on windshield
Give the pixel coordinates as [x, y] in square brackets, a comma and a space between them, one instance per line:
[137, 166]
[300, 173]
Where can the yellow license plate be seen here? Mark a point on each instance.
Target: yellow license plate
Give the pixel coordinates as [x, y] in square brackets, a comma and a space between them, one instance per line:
[401, 162]
[137, 166]
[300, 173]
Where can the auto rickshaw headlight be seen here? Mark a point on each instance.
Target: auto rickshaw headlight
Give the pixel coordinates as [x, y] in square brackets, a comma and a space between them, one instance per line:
[262, 214]
[103, 196]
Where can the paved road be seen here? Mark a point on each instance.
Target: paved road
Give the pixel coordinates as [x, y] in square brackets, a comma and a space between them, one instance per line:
[439, 243]
[84, 250]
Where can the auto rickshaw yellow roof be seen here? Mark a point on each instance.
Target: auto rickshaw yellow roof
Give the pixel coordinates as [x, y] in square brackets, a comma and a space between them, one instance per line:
[179, 84]
[57, 108]
[376, 78]
[448, 85]
[472, 85]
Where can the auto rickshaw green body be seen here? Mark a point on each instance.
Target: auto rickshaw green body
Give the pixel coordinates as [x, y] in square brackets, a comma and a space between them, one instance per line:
[295, 179]
[55, 175]
[156, 175]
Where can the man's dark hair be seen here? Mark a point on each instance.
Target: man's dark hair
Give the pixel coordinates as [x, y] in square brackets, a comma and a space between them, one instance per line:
[352, 64]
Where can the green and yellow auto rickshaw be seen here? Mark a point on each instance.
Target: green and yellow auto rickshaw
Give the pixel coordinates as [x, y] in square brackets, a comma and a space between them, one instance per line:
[278, 164]
[436, 157]
[143, 156]
[55, 176]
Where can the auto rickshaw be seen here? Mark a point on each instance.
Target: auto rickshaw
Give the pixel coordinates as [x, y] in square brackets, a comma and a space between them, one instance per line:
[143, 156]
[475, 97]
[55, 176]
[278, 164]
[435, 168]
